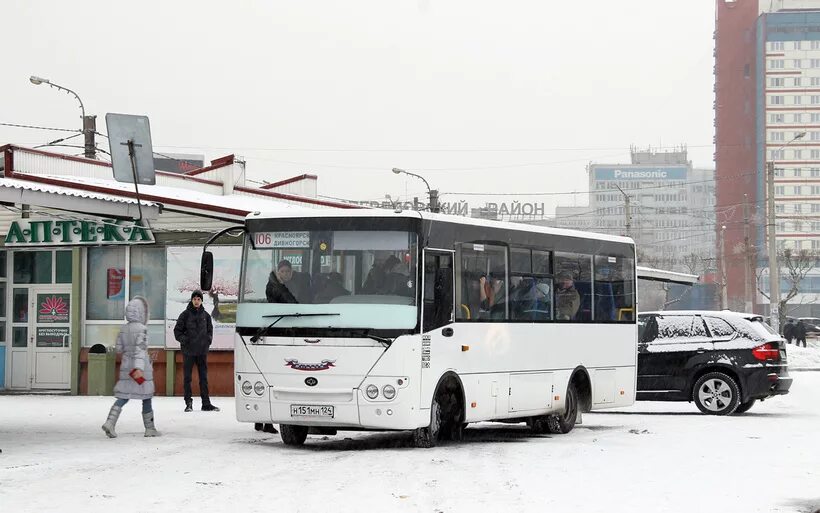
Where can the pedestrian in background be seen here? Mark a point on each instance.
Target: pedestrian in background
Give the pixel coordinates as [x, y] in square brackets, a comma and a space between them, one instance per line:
[788, 331]
[194, 332]
[800, 333]
[136, 379]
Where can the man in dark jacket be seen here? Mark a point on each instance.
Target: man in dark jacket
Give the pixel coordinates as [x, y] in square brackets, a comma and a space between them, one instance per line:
[279, 283]
[800, 333]
[194, 333]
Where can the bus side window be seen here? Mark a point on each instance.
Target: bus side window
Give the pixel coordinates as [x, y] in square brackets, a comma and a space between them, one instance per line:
[438, 290]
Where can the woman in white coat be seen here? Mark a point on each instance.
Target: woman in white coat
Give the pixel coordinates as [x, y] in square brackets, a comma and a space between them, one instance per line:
[136, 380]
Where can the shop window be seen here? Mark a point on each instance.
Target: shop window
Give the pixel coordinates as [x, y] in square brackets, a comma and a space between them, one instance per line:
[2, 264]
[147, 278]
[63, 267]
[2, 332]
[32, 266]
[19, 305]
[614, 281]
[106, 284]
[481, 291]
[19, 336]
[2, 300]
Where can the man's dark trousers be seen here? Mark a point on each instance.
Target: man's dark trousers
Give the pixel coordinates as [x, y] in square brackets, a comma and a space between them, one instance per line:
[201, 362]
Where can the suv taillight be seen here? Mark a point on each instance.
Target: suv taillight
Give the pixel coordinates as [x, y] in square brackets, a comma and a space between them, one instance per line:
[767, 351]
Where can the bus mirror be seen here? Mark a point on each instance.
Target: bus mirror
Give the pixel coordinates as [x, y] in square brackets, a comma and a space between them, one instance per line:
[206, 271]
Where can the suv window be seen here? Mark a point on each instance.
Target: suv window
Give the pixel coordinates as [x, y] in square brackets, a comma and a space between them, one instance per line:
[671, 327]
[719, 327]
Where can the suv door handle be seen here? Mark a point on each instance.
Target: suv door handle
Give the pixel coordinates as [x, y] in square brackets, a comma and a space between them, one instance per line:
[447, 332]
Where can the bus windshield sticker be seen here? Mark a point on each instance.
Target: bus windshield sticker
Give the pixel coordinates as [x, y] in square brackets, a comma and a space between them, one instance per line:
[478, 247]
[611, 260]
[290, 240]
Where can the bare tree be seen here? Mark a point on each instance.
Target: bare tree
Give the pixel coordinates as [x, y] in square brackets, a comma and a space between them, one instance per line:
[797, 265]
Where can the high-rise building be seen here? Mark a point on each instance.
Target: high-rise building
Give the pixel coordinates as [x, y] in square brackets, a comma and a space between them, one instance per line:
[671, 209]
[767, 109]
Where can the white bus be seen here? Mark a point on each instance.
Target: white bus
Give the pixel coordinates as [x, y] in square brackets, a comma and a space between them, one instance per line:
[376, 320]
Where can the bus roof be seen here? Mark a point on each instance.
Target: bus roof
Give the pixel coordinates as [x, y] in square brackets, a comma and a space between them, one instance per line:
[447, 218]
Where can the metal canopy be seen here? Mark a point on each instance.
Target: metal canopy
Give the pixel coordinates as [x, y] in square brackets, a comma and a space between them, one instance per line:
[650, 274]
[61, 198]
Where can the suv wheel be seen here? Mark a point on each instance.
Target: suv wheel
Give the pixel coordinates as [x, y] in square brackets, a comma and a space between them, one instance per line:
[744, 407]
[715, 393]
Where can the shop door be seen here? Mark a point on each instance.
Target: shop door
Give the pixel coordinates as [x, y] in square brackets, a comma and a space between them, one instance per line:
[50, 337]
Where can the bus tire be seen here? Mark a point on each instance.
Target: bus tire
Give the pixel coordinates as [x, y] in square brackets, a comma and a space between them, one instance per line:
[293, 435]
[426, 437]
[564, 422]
[539, 425]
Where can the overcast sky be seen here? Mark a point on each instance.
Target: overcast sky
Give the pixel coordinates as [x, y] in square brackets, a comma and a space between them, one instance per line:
[477, 96]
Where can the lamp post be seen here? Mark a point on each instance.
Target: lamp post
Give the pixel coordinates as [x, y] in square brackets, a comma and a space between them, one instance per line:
[89, 122]
[774, 266]
[432, 193]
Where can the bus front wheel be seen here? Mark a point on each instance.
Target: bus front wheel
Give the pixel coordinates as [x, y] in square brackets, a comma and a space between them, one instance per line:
[564, 422]
[293, 435]
[426, 437]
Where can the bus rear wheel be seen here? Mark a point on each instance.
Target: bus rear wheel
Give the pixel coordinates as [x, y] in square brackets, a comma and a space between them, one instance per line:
[293, 435]
[564, 422]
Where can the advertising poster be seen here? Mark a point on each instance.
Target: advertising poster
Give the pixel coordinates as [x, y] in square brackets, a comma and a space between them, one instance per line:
[53, 308]
[220, 301]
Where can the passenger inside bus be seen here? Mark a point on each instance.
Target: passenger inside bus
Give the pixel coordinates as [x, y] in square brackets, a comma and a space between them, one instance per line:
[530, 299]
[285, 286]
[567, 298]
[493, 295]
[329, 286]
[385, 278]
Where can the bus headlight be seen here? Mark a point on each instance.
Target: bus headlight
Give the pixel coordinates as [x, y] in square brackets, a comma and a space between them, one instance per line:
[388, 392]
[259, 388]
[247, 387]
[372, 391]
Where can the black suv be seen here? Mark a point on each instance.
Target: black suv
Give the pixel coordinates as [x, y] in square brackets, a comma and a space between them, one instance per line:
[723, 361]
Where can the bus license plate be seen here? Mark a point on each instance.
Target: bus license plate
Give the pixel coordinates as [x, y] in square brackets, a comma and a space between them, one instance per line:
[309, 410]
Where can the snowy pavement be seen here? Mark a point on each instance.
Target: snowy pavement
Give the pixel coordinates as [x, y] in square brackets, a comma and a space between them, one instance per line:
[654, 457]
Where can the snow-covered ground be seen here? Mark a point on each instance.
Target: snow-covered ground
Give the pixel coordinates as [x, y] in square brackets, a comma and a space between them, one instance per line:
[651, 457]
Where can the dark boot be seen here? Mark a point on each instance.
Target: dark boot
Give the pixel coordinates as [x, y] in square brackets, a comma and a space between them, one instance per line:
[209, 407]
[189, 405]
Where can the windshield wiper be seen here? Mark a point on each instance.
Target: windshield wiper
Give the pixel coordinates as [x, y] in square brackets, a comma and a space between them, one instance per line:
[261, 331]
[382, 340]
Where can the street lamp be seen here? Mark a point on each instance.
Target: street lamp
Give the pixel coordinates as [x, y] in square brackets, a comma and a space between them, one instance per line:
[774, 266]
[89, 122]
[432, 193]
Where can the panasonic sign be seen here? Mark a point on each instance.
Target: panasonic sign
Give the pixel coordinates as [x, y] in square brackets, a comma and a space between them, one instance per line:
[640, 173]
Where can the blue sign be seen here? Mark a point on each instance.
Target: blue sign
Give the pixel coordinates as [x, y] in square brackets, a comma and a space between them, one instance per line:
[645, 173]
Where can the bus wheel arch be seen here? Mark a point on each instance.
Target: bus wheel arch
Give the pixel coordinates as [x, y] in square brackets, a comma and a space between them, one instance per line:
[578, 398]
[447, 413]
[583, 387]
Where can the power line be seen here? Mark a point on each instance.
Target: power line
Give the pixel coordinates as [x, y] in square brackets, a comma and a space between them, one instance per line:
[14, 125]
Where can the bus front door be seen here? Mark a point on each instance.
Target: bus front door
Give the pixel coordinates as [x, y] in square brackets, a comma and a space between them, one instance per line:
[438, 346]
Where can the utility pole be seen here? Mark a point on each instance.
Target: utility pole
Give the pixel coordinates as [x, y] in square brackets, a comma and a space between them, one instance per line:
[774, 266]
[747, 289]
[627, 212]
[89, 129]
[724, 300]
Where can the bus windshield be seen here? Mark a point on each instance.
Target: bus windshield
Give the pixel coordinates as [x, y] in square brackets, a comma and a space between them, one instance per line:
[366, 277]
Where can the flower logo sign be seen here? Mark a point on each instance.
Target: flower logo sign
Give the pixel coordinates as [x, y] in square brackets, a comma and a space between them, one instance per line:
[53, 308]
